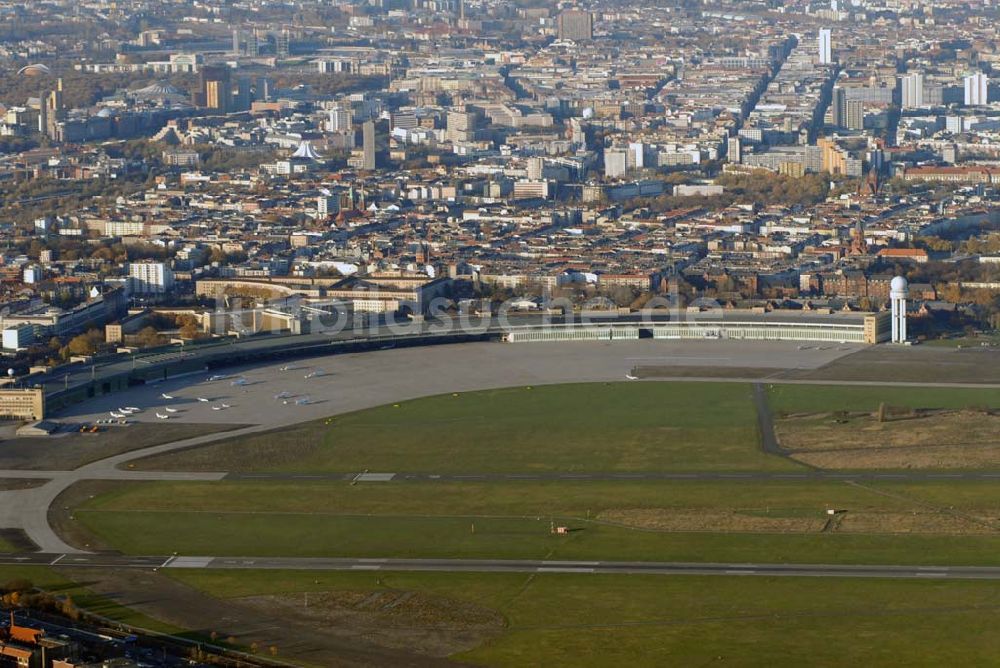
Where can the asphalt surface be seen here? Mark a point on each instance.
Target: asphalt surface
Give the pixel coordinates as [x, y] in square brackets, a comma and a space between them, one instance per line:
[729, 476]
[505, 566]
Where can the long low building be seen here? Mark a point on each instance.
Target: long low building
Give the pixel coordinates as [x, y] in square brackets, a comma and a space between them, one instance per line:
[869, 328]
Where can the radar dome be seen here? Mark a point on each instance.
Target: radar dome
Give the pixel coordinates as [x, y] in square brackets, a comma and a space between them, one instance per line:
[898, 284]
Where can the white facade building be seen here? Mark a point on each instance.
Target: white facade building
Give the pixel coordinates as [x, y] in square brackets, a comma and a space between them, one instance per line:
[150, 278]
[825, 47]
[976, 86]
[912, 90]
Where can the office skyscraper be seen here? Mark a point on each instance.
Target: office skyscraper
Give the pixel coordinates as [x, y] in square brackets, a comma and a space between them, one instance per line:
[576, 25]
[368, 144]
[912, 90]
[976, 87]
[838, 107]
[215, 88]
[825, 50]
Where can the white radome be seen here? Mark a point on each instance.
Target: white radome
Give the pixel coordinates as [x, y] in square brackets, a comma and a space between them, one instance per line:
[899, 285]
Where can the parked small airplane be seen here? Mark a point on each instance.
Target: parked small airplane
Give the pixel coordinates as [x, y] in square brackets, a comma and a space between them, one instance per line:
[117, 415]
[162, 416]
[631, 377]
[171, 410]
[166, 396]
[132, 409]
[282, 395]
[218, 376]
[225, 405]
[203, 400]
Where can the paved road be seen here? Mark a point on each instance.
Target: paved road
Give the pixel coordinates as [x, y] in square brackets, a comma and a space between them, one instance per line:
[505, 566]
[765, 423]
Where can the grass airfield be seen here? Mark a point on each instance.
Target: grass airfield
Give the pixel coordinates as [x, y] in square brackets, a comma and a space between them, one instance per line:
[561, 619]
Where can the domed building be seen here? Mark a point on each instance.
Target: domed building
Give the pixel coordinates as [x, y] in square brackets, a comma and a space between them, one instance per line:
[36, 70]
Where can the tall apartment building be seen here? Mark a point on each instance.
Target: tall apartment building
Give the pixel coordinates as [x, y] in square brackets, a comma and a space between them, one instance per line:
[912, 90]
[854, 116]
[976, 89]
[150, 278]
[339, 120]
[825, 47]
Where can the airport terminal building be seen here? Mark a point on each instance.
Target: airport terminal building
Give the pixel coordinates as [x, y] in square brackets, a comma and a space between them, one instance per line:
[833, 327]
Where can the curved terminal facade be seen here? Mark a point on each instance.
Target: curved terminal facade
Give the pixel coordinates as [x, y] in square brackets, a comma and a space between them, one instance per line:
[115, 373]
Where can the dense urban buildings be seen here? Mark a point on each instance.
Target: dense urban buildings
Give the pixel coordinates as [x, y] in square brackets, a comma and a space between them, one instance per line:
[198, 183]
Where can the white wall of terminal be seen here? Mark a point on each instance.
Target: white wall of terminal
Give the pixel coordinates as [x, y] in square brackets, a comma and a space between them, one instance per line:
[771, 331]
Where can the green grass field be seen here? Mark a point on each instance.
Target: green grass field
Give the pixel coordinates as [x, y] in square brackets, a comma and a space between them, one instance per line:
[595, 620]
[577, 620]
[512, 520]
[585, 427]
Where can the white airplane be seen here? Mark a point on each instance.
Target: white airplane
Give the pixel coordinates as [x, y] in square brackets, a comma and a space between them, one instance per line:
[133, 409]
[287, 367]
[126, 411]
[631, 377]
[171, 410]
[218, 376]
[166, 396]
[313, 374]
[203, 400]
[225, 405]
[217, 408]
[116, 415]
[162, 416]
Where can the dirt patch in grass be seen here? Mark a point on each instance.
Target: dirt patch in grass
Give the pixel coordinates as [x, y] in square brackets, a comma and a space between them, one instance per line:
[915, 522]
[71, 451]
[429, 625]
[667, 519]
[933, 439]
[245, 623]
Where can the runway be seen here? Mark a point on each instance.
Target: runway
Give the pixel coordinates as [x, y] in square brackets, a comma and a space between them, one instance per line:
[505, 566]
[605, 476]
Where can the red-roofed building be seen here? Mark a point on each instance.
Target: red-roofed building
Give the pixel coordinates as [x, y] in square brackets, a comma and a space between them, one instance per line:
[904, 254]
